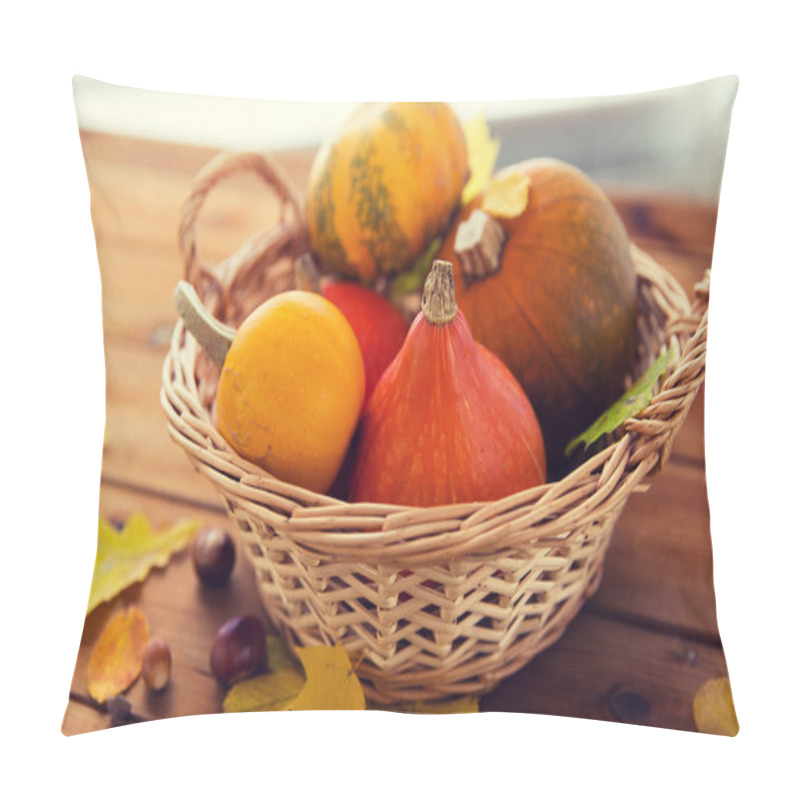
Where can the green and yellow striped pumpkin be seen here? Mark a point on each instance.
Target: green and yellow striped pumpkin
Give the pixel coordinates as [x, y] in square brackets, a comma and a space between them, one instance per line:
[384, 187]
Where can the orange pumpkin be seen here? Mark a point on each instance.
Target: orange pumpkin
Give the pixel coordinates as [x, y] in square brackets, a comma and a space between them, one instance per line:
[557, 301]
[384, 187]
[447, 422]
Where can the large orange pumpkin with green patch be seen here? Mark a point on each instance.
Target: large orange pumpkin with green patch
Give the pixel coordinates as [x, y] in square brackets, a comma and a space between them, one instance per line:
[551, 290]
[384, 187]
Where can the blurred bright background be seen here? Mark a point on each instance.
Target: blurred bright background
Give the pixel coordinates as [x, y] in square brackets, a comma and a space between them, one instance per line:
[668, 141]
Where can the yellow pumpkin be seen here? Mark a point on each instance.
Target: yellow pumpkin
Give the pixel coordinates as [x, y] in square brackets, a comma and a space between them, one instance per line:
[384, 187]
[291, 389]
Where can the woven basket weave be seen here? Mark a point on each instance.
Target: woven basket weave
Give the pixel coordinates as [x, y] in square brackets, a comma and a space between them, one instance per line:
[429, 602]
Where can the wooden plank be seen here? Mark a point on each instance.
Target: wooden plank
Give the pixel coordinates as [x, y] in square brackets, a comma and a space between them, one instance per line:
[648, 636]
[141, 152]
[601, 668]
[144, 207]
[137, 449]
[178, 608]
[136, 214]
[604, 670]
[175, 157]
[83, 718]
[659, 565]
[683, 223]
[690, 444]
[138, 188]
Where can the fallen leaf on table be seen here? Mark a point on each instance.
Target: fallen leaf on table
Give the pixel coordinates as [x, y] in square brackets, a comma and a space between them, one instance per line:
[507, 196]
[636, 399]
[323, 680]
[713, 708]
[279, 656]
[468, 704]
[482, 151]
[127, 556]
[273, 691]
[331, 681]
[116, 658]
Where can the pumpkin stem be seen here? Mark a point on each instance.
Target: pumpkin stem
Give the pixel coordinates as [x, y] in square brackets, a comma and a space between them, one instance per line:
[479, 244]
[439, 294]
[212, 335]
[306, 274]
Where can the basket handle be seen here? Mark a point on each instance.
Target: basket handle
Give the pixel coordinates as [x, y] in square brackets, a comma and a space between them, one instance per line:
[701, 293]
[668, 408]
[215, 285]
[694, 327]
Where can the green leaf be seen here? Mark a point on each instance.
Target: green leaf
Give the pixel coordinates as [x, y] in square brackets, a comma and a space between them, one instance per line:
[635, 400]
[413, 278]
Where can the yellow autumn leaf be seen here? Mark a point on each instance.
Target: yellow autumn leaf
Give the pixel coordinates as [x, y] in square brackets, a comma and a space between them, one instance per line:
[506, 195]
[116, 658]
[482, 151]
[459, 705]
[127, 556]
[278, 655]
[331, 682]
[323, 680]
[468, 704]
[273, 691]
[713, 708]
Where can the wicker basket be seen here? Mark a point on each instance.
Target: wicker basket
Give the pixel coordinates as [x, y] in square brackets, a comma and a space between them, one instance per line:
[429, 602]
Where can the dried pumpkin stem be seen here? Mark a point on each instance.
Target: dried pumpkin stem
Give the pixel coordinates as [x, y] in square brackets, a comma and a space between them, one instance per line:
[306, 274]
[212, 335]
[479, 244]
[439, 294]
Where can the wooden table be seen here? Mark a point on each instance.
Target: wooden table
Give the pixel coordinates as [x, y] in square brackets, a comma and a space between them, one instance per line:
[636, 653]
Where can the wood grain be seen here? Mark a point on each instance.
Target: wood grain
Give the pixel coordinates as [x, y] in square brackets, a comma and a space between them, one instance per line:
[636, 653]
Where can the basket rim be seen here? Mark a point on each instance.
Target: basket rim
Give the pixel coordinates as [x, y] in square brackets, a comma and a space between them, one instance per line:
[384, 533]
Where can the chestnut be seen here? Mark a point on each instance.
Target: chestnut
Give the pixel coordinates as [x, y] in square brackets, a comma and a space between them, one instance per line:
[156, 664]
[238, 649]
[213, 554]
